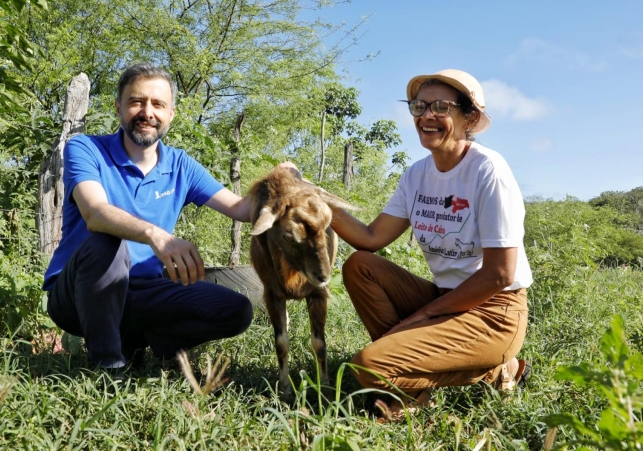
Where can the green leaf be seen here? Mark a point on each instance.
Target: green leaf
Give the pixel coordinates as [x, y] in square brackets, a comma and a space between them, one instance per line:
[580, 374]
[72, 344]
[613, 345]
[612, 426]
[567, 419]
[634, 366]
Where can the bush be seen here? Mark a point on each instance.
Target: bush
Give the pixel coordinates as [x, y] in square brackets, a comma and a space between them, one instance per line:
[618, 379]
[565, 238]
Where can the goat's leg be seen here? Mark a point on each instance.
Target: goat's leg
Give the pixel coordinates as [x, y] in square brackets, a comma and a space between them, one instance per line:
[279, 319]
[317, 313]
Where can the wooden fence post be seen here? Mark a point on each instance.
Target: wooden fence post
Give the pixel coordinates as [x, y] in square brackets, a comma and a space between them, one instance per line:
[50, 176]
[235, 178]
[348, 164]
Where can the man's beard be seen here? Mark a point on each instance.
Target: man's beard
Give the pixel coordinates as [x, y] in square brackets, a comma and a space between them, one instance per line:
[141, 139]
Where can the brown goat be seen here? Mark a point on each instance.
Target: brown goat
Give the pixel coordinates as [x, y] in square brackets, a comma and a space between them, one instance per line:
[293, 251]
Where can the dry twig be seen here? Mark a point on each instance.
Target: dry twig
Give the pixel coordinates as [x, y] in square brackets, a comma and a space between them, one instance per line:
[5, 388]
[214, 377]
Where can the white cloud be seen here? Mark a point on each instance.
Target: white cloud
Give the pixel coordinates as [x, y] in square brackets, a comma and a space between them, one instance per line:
[540, 51]
[632, 52]
[542, 144]
[634, 47]
[508, 101]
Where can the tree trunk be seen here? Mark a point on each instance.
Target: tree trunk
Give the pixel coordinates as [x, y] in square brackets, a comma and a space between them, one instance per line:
[323, 149]
[50, 176]
[348, 164]
[412, 240]
[235, 178]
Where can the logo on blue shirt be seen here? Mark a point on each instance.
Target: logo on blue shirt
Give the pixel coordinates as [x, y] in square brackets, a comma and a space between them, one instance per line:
[164, 193]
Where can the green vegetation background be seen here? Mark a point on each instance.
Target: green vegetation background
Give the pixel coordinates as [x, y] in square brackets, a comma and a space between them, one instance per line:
[261, 59]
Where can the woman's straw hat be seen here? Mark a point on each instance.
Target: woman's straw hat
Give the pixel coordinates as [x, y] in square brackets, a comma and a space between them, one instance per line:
[463, 82]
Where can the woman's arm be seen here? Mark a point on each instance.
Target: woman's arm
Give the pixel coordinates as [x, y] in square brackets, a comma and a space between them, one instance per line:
[497, 272]
[380, 233]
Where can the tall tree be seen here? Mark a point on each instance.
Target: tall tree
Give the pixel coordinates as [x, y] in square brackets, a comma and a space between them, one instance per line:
[381, 136]
[16, 52]
[341, 105]
[222, 51]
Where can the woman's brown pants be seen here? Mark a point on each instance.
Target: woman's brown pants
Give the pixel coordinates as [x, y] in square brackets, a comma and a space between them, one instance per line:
[449, 350]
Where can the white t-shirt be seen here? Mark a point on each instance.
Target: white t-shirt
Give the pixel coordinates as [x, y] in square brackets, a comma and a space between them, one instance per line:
[456, 214]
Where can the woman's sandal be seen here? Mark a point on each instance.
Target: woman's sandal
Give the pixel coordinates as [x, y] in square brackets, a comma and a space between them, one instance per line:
[507, 382]
[396, 411]
[523, 374]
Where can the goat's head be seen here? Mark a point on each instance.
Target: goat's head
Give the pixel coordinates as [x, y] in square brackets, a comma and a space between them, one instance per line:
[297, 224]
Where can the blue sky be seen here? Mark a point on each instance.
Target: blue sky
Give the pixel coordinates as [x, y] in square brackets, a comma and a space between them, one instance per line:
[563, 81]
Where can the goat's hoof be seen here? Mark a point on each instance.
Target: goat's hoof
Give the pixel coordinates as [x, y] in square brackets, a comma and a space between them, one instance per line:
[286, 395]
[328, 392]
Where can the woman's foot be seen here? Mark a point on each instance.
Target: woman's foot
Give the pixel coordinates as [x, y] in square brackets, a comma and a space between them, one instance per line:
[395, 412]
[513, 373]
[523, 374]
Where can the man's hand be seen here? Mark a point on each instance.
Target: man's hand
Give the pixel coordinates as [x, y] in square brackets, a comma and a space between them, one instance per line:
[180, 257]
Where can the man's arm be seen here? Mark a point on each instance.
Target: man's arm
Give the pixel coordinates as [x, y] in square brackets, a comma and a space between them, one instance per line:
[100, 216]
[237, 207]
[231, 205]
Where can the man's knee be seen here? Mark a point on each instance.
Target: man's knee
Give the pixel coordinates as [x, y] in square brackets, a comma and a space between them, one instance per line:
[106, 252]
[243, 314]
[246, 312]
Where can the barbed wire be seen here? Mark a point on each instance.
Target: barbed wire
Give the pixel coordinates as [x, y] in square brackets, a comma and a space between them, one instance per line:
[47, 220]
[15, 210]
[35, 213]
[18, 124]
[21, 170]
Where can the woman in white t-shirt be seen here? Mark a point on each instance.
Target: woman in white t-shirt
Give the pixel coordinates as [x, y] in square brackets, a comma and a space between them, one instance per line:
[467, 213]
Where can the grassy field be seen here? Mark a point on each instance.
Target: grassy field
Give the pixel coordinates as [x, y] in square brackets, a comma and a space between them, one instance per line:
[49, 401]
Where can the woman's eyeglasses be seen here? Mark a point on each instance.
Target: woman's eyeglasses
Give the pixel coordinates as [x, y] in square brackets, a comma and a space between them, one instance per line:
[439, 108]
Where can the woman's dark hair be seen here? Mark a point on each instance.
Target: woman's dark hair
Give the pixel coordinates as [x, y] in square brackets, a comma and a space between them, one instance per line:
[466, 105]
[144, 70]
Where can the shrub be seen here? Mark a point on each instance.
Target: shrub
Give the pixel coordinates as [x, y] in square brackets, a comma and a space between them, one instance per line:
[618, 379]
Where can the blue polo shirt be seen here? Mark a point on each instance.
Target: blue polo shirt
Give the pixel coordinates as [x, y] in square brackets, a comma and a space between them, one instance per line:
[158, 198]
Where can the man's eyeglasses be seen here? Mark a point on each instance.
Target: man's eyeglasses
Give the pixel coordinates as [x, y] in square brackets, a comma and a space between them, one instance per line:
[439, 108]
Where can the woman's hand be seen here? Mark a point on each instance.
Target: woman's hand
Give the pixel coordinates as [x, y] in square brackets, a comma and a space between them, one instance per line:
[419, 316]
[496, 274]
[292, 167]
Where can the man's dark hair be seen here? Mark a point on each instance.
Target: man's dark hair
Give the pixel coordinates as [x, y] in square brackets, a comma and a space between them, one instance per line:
[144, 70]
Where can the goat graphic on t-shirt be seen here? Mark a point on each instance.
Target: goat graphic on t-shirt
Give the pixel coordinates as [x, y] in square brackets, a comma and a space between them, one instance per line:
[466, 249]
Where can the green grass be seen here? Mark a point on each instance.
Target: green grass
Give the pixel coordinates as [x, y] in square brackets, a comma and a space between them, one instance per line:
[52, 402]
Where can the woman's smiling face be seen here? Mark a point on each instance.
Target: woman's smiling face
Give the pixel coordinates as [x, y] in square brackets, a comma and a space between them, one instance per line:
[440, 133]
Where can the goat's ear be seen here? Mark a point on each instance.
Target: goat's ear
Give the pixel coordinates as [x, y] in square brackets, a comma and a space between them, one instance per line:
[265, 221]
[335, 202]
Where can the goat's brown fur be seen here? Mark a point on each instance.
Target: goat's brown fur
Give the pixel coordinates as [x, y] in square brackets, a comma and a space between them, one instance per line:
[293, 251]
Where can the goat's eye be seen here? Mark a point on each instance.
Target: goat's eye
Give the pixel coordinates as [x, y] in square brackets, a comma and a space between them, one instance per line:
[288, 236]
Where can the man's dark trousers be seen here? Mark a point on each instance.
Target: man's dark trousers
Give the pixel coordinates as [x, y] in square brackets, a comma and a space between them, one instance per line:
[94, 297]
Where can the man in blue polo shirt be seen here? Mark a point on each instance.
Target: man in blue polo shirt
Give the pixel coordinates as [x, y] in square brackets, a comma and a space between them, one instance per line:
[123, 196]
